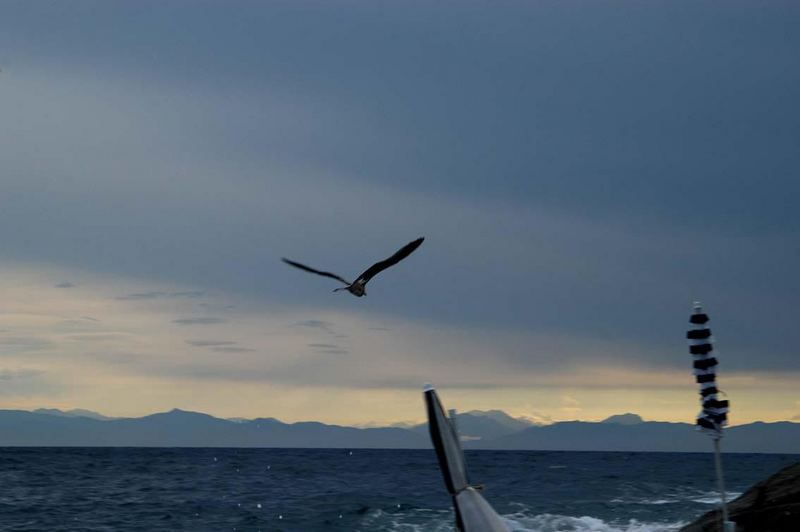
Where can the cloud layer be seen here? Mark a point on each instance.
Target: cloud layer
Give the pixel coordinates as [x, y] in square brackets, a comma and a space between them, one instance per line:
[580, 177]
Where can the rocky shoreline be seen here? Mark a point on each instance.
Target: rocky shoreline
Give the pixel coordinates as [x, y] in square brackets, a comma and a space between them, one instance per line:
[772, 505]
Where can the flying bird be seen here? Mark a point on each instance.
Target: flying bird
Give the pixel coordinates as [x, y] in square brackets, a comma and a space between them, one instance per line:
[357, 287]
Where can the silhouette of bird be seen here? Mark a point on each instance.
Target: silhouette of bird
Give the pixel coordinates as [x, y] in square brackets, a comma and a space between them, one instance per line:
[357, 287]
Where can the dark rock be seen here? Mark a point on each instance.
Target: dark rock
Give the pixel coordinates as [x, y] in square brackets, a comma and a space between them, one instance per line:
[772, 505]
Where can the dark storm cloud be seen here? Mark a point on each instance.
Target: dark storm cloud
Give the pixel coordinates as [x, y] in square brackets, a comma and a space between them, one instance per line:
[199, 321]
[581, 172]
[479, 91]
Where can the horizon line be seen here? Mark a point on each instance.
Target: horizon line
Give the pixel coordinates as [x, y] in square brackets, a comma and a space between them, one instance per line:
[376, 425]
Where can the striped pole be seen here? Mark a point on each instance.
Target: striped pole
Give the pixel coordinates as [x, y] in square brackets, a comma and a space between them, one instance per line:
[714, 413]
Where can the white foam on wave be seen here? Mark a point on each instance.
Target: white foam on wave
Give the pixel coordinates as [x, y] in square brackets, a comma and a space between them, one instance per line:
[701, 498]
[565, 523]
[649, 501]
[423, 520]
[714, 498]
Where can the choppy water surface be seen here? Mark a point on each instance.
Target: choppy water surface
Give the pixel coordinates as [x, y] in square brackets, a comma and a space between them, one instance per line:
[382, 490]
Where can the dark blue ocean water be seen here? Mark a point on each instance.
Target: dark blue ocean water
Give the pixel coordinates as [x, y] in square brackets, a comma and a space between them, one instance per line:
[293, 489]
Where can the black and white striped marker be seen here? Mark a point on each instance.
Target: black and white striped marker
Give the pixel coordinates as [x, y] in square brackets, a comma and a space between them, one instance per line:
[714, 413]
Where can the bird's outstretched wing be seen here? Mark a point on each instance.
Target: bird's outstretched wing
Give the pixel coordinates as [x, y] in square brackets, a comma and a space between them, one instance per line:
[312, 270]
[378, 267]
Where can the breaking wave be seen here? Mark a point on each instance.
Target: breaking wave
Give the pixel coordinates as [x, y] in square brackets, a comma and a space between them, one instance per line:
[422, 520]
[699, 498]
[563, 523]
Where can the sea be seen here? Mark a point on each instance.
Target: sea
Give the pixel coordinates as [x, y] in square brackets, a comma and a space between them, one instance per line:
[144, 489]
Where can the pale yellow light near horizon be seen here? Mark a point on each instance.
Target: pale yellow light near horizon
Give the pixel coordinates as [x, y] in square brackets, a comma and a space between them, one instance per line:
[88, 346]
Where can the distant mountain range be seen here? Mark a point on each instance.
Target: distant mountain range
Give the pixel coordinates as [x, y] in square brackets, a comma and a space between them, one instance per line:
[75, 412]
[480, 430]
[479, 425]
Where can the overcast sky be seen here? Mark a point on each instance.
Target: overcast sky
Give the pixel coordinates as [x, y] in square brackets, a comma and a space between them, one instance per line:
[582, 171]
